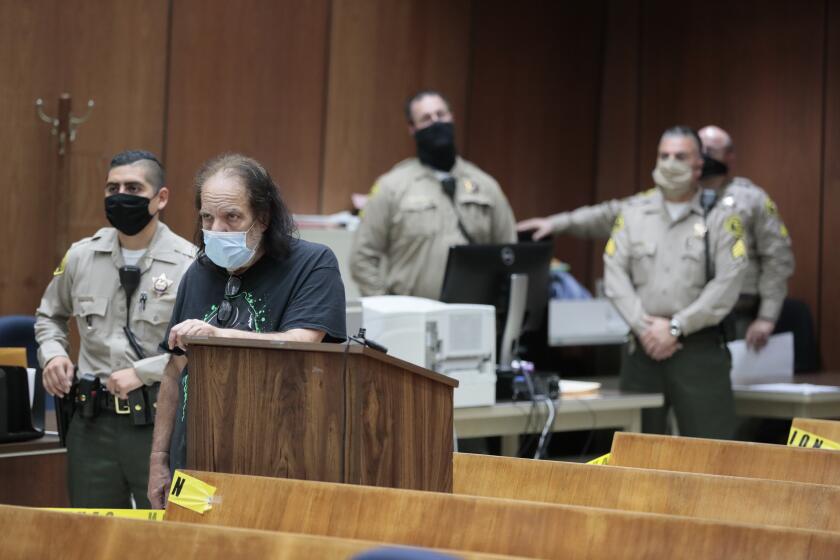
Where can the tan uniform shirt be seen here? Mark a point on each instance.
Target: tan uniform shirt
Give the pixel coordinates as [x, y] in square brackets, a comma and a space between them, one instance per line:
[409, 223]
[86, 285]
[655, 265]
[771, 260]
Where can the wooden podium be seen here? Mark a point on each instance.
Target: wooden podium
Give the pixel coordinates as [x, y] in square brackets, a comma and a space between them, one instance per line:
[328, 412]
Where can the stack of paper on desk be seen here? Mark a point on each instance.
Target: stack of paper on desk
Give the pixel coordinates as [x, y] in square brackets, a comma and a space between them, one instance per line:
[772, 364]
[576, 388]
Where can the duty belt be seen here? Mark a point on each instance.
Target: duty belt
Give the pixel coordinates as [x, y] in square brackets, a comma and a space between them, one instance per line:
[141, 404]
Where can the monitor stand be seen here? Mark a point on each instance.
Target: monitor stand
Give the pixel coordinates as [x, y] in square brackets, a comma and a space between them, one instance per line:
[515, 318]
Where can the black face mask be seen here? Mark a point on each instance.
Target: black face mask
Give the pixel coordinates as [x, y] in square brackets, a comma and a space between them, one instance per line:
[128, 213]
[713, 167]
[436, 145]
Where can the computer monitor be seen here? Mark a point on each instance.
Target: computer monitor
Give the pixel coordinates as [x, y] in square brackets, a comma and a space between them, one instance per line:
[16, 418]
[481, 274]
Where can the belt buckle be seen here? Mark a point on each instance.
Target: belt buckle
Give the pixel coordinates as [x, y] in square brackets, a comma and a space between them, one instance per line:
[117, 409]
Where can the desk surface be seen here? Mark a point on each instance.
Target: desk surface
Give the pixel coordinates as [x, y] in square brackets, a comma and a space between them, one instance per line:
[775, 404]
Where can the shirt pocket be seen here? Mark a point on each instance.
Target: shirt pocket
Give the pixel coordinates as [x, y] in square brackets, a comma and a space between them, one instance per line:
[151, 321]
[90, 313]
[418, 217]
[693, 263]
[642, 255]
[476, 212]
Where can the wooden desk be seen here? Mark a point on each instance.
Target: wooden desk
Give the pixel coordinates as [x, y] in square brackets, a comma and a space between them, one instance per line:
[772, 404]
[610, 408]
[34, 473]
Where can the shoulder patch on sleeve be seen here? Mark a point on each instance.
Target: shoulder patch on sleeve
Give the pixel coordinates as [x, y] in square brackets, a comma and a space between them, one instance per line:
[734, 226]
[610, 248]
[649, 192]
[739, 249]
[62, 265]
[618, 225]
[770, 207]
[374, 189]
[783, 231]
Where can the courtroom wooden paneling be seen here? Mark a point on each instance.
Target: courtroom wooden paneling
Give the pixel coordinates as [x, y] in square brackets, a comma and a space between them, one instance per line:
[828, 318]
[32, 533]
[121, 65]
[519, 528]
[729, 458]
[828, 429]
[397, 427]
[755, 68]
[381, 52]
[296, 405]
[533, 106]
[617, 154]
[247, 77]
[327, 412]
[33, 478]
[28, 48]
[720, 498]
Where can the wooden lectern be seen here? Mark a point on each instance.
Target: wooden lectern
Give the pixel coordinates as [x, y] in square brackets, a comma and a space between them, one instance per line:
[328, 412]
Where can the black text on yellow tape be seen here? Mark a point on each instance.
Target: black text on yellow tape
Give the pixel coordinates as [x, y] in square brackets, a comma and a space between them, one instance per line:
[189, 492]
[804, 438]
[148, 514]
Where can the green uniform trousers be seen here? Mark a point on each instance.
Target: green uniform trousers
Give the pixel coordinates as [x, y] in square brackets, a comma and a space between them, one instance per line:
[108, 461]
[695, 382]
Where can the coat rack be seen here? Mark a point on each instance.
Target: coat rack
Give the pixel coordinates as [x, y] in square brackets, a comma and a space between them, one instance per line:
[64, 126]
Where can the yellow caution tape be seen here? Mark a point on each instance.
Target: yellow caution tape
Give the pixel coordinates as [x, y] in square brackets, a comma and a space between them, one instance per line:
[191, 493]
[148, 514]
[602, 460]
[802, 438]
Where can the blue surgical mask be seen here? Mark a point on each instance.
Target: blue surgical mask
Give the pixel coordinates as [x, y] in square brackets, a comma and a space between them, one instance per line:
[228, 249]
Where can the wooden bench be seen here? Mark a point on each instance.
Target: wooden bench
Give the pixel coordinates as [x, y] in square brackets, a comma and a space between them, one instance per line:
[721, 498]
[828, 429]
[491, 525]
[730, 458]
[34, 533]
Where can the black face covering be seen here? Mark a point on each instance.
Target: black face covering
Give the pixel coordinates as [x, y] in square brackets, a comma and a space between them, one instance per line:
[436, 145]
[713, 167]
[127, 212]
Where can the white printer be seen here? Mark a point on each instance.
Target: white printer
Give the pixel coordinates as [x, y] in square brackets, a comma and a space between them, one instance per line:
[458, 340]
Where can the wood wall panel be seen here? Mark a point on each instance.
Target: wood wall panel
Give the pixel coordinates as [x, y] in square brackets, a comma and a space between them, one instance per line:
[829, 319]
[757, 72]
[618, 120]
[122, 67]
[533, 106]
[27, 47]
[381, 52]
[247, 77]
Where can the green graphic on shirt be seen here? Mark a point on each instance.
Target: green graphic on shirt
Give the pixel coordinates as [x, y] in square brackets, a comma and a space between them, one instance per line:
[257, 311]
[184, 382]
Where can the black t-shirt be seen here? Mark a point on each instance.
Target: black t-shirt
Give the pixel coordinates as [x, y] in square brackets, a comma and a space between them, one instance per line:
[302, 291]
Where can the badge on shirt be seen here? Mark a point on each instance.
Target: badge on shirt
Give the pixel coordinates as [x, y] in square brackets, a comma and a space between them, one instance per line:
[699, 229]
[161, 283]
[469, 186]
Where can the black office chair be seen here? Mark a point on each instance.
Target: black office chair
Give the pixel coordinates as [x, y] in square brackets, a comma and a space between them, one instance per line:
[796, 318]
[18, 331]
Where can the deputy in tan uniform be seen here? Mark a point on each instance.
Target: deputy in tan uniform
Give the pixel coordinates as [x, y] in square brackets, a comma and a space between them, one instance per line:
[673, 267]
[423, 206]
[771, 260]
[120, 364]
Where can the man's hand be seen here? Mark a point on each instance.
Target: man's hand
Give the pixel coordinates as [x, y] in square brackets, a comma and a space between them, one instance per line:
[657, 340]
[190, 327]
[159, 479]
[758, 333]
[58, 376]
[542, 227]
[122, 382]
